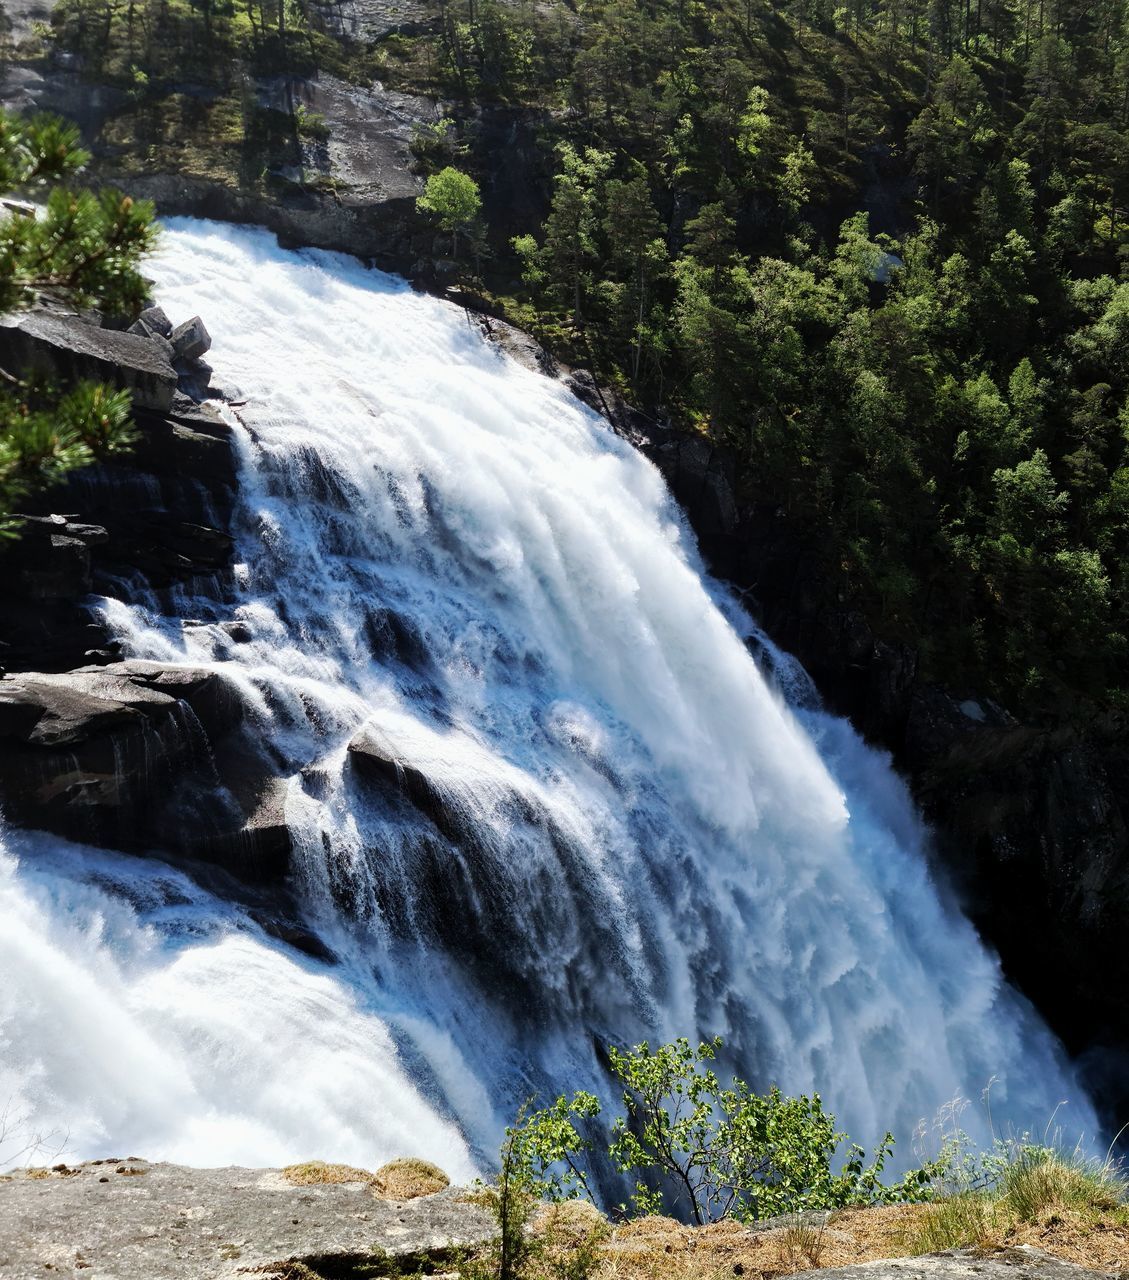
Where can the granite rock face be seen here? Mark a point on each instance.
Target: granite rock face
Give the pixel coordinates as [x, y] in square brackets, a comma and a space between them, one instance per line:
[142, 756]
[1021, 1263]
[70, 348]
[131, 1220]
[161, 514]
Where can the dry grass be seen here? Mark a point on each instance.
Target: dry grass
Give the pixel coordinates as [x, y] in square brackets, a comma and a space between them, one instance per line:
[408, 1178]
[651, 1248]
[647, 1247]
[317, 1171]
[1071, 1207]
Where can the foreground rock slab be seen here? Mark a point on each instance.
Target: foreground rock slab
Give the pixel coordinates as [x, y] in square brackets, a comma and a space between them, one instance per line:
[1020, 1263]
[130, 1220]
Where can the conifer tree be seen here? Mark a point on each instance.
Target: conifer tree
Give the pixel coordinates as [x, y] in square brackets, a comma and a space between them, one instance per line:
[81, 249]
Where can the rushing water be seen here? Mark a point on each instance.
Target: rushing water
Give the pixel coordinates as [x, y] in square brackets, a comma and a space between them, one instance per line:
[642, 837]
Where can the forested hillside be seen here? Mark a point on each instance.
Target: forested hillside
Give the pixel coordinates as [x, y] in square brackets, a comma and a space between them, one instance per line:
[879, 250]
[936, 390]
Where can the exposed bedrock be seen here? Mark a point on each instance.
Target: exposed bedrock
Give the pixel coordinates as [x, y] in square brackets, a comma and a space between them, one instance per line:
[161, 515]
[142, 756]
[70, 348]
[131, 1220]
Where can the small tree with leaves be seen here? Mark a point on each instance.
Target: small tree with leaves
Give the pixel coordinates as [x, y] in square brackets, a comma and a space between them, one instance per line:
[701, 1149]
[452, 198]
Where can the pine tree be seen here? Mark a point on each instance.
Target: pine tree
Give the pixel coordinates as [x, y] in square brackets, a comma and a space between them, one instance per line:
[79, 248]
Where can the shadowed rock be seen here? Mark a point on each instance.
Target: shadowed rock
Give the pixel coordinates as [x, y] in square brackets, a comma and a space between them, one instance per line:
[375, 760]
[144, 756]
[190, 340]
[70, 349]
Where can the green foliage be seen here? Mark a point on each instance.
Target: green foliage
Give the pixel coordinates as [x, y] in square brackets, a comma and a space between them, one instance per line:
[716, 1152]
[452, 198]
[45, 433]
[891, 394]
[701, 173]
[1037, 1178]
[83, 249]
[954, 1222]
[548, 1149]
[510, 1199]
[703, 1150]
[1018, 1182]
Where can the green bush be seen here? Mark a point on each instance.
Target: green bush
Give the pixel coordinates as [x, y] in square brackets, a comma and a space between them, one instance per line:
[703, 1150]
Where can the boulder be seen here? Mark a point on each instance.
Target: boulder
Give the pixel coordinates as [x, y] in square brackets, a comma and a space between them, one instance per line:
[144, 756]
[245, 830]
[70, 349]
[390, 777]
[190, 340]
[53, 561]
[152, 322]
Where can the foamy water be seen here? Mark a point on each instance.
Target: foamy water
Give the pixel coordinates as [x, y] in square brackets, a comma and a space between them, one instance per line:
[449, 551]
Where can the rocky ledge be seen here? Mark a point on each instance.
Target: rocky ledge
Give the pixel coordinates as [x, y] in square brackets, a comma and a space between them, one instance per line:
[132, 755]
[131, 1220]
[1022, 1263]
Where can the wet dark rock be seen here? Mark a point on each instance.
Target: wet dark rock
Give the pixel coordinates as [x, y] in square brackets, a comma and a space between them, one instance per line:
[245, 829]
[54, 561]
[143, 756]
[69, 348]
[88, 756]
[239, 632]
[378, 764]
[393, 638]
[294, 935]
[1035, 826]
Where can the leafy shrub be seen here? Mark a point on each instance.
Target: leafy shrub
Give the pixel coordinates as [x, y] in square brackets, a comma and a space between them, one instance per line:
[703, 1150]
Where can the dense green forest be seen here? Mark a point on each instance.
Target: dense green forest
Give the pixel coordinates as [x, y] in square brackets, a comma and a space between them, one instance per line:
[941, 399]
[880, 250]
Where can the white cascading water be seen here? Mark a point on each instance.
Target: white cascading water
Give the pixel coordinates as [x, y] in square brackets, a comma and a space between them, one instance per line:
[643, 838]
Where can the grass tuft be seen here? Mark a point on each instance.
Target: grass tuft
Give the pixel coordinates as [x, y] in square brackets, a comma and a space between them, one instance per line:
[800, 1246]
[1028, 1185]
[317, 1171]
[1040, 1180]
[408, 1178]
[953, 1223]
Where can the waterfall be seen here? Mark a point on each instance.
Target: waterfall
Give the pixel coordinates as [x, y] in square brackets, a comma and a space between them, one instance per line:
[636, 819]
